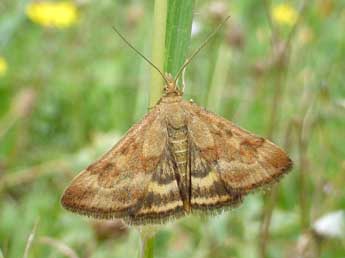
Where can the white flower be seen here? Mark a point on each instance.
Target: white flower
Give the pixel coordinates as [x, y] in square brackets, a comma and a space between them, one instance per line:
[331, 225]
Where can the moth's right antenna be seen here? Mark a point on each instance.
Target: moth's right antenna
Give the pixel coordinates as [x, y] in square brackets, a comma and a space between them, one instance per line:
[188, 60]
[140, 54]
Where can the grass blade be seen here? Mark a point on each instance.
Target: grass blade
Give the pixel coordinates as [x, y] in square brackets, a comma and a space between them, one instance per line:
[158, 49]
[179, 25]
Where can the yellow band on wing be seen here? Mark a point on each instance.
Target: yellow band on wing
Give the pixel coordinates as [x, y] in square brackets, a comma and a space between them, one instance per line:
[207, 181]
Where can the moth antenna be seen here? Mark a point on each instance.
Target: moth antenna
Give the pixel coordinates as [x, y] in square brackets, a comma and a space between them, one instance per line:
[140, 54]
[210, 36]
[183, 79]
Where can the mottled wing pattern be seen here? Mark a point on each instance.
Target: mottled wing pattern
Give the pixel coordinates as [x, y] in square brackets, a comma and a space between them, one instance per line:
[241, 160]
[162, 200]
[208, 191]
[123, 182]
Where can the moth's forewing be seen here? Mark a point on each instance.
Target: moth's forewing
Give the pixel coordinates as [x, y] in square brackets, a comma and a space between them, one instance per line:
[243, 161]
[116, 185]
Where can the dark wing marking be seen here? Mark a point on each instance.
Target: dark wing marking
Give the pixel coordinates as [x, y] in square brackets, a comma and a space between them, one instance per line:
[162, 200]
[208, 192]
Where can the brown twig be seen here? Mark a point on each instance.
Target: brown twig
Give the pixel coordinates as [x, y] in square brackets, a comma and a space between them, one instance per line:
[282, 51]
[50, 167]
[29, 174]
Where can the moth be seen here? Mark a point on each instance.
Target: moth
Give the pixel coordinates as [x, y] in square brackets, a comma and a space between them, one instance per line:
[179, 159]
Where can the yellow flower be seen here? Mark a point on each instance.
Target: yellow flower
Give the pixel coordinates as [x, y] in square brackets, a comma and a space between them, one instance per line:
[284, 14]
[52, 14]
[3, 66]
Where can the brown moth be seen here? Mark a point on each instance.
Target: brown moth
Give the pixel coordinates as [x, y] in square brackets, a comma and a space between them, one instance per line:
[179, 159]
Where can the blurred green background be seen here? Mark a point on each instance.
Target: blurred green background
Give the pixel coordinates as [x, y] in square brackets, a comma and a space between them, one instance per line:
[69, 88]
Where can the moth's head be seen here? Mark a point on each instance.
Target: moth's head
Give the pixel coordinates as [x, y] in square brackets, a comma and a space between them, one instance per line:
[170, 88]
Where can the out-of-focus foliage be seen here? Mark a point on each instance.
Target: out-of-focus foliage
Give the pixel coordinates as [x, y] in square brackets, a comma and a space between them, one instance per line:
[69, 89]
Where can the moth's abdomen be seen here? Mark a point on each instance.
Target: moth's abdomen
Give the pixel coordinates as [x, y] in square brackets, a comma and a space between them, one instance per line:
[179, 145]
[178, 142]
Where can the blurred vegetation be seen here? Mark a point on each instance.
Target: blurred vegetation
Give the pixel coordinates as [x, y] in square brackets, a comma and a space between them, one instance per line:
[69, 89]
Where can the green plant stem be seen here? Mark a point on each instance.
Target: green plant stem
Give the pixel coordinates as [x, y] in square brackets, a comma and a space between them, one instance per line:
[30, 240]
[148, 247]
[158, 49]
[179, 25]
[171, 36]
[213, 47]
[219, 77]
[280, 78]
[147, 235]
[270, 201]
[156, 87]
[303, 173]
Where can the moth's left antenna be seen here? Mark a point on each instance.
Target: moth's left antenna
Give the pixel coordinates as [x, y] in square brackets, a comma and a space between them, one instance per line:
[140, 54]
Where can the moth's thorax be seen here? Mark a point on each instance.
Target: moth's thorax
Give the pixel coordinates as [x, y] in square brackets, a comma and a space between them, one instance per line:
[171, 99]
[175, 115]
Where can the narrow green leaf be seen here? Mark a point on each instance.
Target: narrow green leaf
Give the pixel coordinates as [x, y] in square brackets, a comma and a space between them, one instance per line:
[147, 235]
[148, 247]
[158, 46]
[178, 33]
[172, 31]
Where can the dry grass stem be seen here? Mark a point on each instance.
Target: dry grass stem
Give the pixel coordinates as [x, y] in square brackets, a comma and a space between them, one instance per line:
[282, 52]
[30, 240]
[59, 246]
